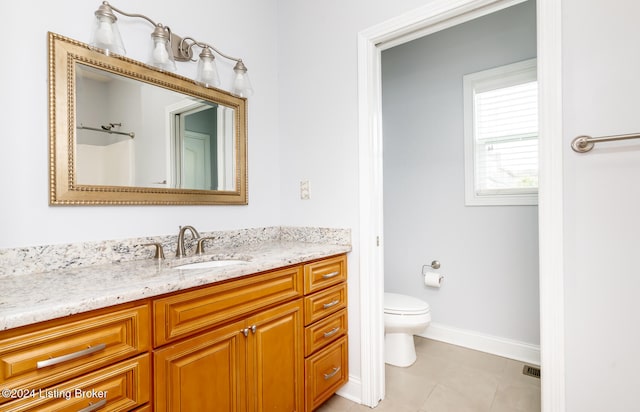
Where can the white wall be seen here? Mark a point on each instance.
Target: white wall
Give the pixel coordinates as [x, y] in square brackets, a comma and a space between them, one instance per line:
[319, 120]
[601, 85]
[489, 254]
[246, 29]
[111, 164]
[318, 104]
[153, 141]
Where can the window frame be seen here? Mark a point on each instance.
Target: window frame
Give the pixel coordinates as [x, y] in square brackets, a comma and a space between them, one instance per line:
[499, 77]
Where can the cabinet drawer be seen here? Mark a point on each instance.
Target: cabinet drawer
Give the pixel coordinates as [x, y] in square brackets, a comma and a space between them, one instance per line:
[323, 303]
[186, 313]
[324, 332]
[325, 273]
[120, 387]
[44, 356]
[326, 371]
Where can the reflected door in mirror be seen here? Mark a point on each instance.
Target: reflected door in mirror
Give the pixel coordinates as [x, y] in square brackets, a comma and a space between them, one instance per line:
[203, 143]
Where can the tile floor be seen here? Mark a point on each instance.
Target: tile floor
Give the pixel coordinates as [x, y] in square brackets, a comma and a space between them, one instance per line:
[448, 378]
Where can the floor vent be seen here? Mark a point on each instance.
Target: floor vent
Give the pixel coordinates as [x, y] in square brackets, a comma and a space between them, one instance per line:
[531, 371]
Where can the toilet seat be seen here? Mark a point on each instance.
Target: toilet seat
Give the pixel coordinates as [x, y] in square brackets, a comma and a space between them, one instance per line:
[396, 304]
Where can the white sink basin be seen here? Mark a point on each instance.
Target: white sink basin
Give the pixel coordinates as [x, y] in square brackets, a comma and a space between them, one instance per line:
[210, 264]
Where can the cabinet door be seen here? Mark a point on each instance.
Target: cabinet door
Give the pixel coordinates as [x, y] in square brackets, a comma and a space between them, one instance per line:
[276, 360]
[204, 373]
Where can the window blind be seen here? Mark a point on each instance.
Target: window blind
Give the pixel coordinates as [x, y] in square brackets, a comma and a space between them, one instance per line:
[506, 140]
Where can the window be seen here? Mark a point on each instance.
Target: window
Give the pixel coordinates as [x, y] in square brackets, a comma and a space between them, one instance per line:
[501, 135]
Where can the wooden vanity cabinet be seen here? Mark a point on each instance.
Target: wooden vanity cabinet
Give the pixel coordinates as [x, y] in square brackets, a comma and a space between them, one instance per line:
[325, 314]
[249, 359]
[274, 341]
[99, 359]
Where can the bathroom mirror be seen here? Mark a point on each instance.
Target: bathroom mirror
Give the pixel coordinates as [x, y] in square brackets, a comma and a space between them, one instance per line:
[125, 133]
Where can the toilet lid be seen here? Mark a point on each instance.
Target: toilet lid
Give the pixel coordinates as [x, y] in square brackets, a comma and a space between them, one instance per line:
[395, 303]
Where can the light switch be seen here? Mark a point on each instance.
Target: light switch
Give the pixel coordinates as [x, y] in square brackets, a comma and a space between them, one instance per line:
[304, 190]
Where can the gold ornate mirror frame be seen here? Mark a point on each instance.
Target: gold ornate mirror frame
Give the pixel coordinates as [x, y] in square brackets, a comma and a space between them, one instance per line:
[64, 55]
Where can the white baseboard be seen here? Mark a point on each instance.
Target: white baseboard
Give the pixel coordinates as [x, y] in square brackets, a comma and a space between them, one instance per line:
[352, 390]
[512, 349]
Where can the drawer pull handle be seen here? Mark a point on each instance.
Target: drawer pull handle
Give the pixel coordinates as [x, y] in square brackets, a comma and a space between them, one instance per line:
[331, 275]
[331, 374]
[71, 356]
[328, 305]
[94, 407]
[331, 332]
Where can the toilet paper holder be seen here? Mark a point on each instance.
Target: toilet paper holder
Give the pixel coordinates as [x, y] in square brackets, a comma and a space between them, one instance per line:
[434, 265]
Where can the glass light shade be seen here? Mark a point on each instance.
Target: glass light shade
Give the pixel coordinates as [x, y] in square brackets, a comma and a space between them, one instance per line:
[161, 53]
[106, 35]
[241, 83]
[207, 73]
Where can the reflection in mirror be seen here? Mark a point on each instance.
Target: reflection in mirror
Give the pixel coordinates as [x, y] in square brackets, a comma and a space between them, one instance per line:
[131, 133]
[202, 145]
[123, 133]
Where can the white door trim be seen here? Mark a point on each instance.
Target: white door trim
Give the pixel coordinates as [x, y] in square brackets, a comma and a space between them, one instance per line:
[550, 206]
[438, 15]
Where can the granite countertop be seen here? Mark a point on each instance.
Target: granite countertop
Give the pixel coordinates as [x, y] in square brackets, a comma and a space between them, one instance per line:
[58, 293]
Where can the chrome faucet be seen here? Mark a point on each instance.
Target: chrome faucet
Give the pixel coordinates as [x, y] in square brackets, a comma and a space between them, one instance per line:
[180, 249]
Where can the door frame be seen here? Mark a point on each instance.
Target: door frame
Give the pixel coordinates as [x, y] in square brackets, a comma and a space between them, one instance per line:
[433, 17]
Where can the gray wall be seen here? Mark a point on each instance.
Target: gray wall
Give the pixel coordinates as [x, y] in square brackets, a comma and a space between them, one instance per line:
[489, 254]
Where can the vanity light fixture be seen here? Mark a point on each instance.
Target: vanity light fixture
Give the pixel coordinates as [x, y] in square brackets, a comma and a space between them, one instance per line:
[167, 48]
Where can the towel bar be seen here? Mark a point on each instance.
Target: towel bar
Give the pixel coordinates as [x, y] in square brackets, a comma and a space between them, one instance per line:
[583, 144]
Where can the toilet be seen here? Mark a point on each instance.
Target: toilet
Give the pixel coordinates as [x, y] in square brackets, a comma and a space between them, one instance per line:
[404, 316]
